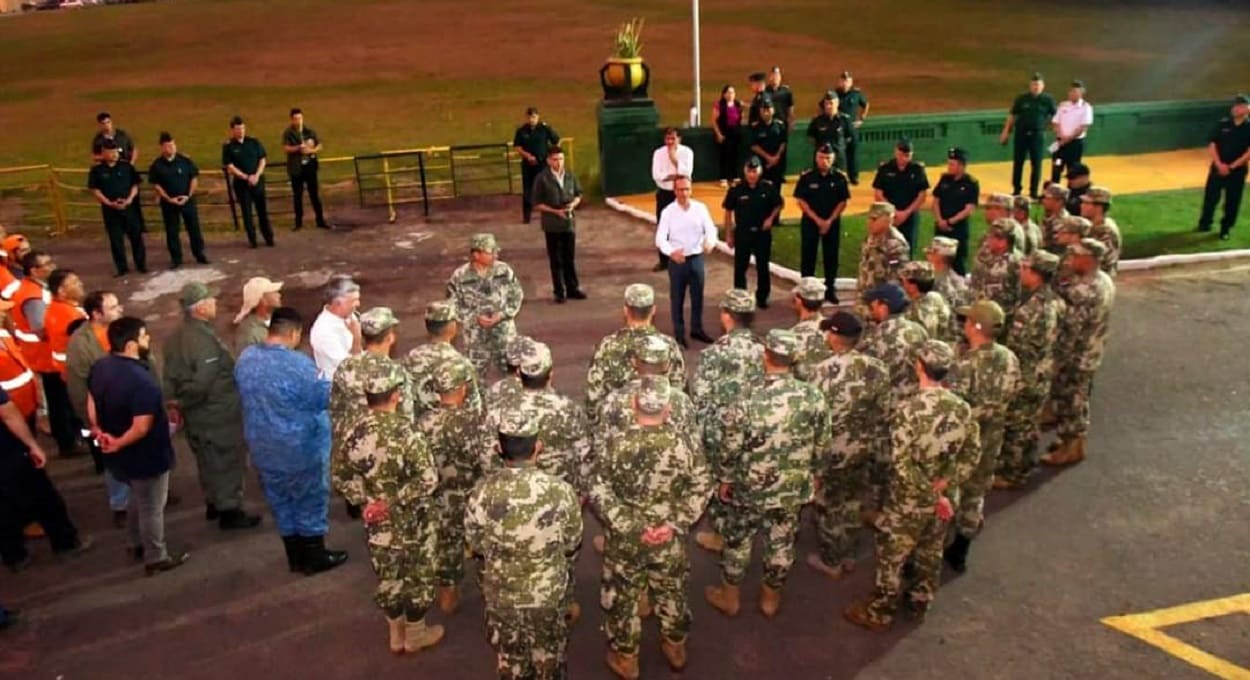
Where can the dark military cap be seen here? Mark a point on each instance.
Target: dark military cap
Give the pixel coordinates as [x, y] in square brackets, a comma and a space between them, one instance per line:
[957, 154]
[845, 324]
[108, 144]
[754, 162]
[1037, 75]
[1241, 99]
[1077, 170]
[846, 74]
[529, 111]
[903, 144]
[166, 138]
[1078, 83]
[757, 77]
[766, 102]
[825, 148]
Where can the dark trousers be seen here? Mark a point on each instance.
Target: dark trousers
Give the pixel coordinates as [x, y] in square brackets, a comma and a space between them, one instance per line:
[561, 249]
[687, 275]
[66, 429]
[663, 197]
[810, 241]
[757, 242]
[1232, 187]
[253, 197]
[1028, 143]
[27, 495]
[910, 231]
[777, 173]
[189, 215]
[730, 155]
[137, 209]
[851, 164]
[959, 232]
[121, 226]
[528, 174]
[1065, 157]
[307, 177]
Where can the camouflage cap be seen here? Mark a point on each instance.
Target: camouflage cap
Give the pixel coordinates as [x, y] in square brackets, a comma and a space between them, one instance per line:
[943, 245]
[514, 349]
[1042, 261]
[1003, 227]
[1021, 203]
[1097, 195]
[998, 201]
[653, 394]
[738, 301]
[440, 311]
[936, 355]
[1241, 99]
[384, 378]
[484, 242]
[451, 375]
[986, 314]
[639, 295]
[782, 342]
[881, 209]
[517, 423]
[1075, 225]
[1056, 190]
[652, 350]
[535, 359]
[810, 288]
[377, 321]
[920, 272]
[196, 292]
[1088, 246]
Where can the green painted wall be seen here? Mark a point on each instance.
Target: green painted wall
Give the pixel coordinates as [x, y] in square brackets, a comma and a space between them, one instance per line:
[627, 137]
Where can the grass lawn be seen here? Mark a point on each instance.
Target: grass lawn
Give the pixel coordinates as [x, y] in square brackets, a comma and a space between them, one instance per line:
[1158, 223]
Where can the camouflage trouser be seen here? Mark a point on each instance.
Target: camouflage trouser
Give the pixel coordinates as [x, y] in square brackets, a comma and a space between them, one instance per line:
[485, 347]
[970, 516]
[529, 643]
[405, 578]
[451, 536]
[838, 520]
[880, 469]
[1022, 433]
[919, 539]
[1071, 394]
[780, 527]
[628, 569]
[717, 514]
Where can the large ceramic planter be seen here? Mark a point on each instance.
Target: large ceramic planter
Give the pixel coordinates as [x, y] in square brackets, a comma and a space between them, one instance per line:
[624, 80]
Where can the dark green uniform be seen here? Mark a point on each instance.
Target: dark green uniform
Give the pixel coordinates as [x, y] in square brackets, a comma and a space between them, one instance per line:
[851, 103]
[770, 138]
[900, 188]
[751, 206]
[1033, 116]
[822, 193]
[115, 181]
[126, 147]
[783, 106]
[536, 140]
[832, 130]
[953, 194]
[245, 156]
[302, 169]
[1231, 141]
[174, 176]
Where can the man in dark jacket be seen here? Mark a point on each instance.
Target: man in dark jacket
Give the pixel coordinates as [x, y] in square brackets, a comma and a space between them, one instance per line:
[556, 194]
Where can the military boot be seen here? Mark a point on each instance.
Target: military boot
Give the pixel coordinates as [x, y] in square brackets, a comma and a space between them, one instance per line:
[710, 541]
[724, 597]
[770, 601]
[1065, 454]
[858, 614]
[396, 626]
[956, 554]
[314, 558]
[293, 556]
[1078, 450]
[573, 613]
[448, 599]
[625, 666]
[674, 653]
[418, 636]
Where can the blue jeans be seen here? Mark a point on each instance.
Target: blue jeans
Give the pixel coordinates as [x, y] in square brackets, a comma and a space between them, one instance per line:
[689, 274]
[299, 499]
[119, 492]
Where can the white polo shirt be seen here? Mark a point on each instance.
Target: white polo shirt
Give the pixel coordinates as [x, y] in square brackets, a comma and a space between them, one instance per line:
[662, 166]
[331, 342]
[687, 229]
[1070, 117]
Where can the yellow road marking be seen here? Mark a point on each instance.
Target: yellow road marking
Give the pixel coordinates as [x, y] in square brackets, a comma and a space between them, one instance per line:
[1146, 627]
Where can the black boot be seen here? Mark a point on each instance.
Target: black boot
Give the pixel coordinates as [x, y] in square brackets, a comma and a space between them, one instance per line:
[315, 558]
[210, 512]
[293, 556]
[353, 511]
[236, 519]
[956, 554]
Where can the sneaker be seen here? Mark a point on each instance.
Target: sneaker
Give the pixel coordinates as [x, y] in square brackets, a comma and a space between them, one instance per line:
[83, 546]
[170, 563]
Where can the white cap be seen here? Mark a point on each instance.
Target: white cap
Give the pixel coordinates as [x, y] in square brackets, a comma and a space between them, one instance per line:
[253, 291]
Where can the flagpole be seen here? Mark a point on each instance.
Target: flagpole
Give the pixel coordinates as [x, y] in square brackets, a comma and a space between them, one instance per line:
[697, 107]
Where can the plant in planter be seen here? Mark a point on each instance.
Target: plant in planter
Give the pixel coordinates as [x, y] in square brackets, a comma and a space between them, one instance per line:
[625, 76]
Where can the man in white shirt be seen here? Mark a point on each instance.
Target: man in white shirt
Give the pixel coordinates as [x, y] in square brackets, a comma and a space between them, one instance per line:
[335, 334]
[685, 232]
[669, 162]
[1070, 124]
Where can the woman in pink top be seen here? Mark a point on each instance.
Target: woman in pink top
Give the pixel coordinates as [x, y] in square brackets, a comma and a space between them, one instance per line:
[726, 125]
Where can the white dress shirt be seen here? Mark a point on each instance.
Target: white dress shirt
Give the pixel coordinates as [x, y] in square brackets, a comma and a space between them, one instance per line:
[662, 165]
[331, 342]
[1070, 117]
[686, 229]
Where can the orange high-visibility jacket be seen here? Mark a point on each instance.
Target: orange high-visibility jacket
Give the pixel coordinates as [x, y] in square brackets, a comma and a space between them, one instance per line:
[34, 348]
[16, 377]
[56, 323]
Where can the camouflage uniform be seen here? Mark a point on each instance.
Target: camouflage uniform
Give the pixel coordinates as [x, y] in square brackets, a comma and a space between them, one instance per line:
[647, 476]
[510, 384]
[881, 256]
[775, 438]
[1050, 223]
[1083, 332]
[422, 361]
[493, 291]
[997, 277]
[812, 346]
[930, 310]
[948, 283]
[1106, 231]
[385, 459]
[933, 436]
[527, 526]
[894, 341]
[1006, 203]
[988, 378]
[612, 367]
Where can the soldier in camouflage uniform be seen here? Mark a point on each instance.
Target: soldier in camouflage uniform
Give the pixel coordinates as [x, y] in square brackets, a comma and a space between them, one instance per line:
[856, 388]
[727, 370]
[946, 281]
[510, 384]
[388, 469]
[891, 337]
[1095, 205]
[883, 251]
[1054, 212]
[460, 443]
[999, 207]
[934, 444]
[423, 360]
[1083, 334]
[1032, 335]
[987, 376]
[928, 308]
[1021, 207]
[527, 526]
[776, 437]
[487, 296]
[996, 269]
[649, 487]
[611, 366]
[809, 297]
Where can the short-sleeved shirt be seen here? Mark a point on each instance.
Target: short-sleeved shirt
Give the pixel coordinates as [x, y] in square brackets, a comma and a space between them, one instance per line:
[1230, 139]
[1033, 114]
[783, 101]
[10, 445]
[769, 137]
[954, 194]
[851, 103]
[833, 130]
[822, 193]
[536, 140]
[244, 155]
[124, 144]
[124, 389]
[114, 181]
[295, 162]
[901, 187]
[751, 206]
[173, 175]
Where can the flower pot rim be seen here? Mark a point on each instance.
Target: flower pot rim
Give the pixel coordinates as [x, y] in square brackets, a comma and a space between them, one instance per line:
[624, 60]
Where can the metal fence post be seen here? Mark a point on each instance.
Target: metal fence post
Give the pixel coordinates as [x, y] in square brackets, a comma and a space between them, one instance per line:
[425, 194]
[234, 215]
[390, 194]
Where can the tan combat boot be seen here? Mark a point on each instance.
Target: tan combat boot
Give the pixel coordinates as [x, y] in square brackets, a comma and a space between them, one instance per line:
[710, 541]
[1078, 450]
[724, 597]
[573, 613]
[770, 601]
[857, 614]
[644, 606]
[1047, 421]
[1061, 455]
[624, 665]
[448, 599]
[674, 653]
[418, 636]
[397, 634]
[815, 561]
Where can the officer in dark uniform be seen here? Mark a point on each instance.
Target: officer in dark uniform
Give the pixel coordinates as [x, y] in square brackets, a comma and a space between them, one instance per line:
[768, 141]
[783, 105]
[115, 184]
[302, 145]
[1078, 185]
[126, 149]
[1030, 118]
[176, 178]
[752, 208]
[532, 141]
[853, 103]
[822, 193]
[243, 158]
[902, 183]
[758, 82]
[830, 127]
[957, 194]
[1230, 153]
